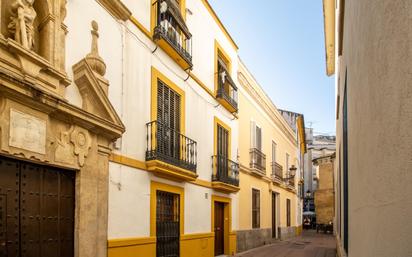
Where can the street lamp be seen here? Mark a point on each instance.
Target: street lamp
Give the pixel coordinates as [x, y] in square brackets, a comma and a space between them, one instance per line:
[292, 174]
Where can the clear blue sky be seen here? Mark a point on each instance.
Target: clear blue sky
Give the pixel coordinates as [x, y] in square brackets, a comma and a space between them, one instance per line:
[282, 44]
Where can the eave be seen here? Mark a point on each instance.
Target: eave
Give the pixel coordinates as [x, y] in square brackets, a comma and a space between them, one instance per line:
[329, 26]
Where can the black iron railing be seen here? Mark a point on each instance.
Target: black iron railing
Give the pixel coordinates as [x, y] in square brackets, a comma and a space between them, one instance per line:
[227, 89]
[171, 27]
[257, 160]
[168, 145]
[277, 171]
[225, 170]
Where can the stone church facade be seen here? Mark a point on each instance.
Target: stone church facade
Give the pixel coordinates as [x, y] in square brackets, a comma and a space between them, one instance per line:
[54, 155]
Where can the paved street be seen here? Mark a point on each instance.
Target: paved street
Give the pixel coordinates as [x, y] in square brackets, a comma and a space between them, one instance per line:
[310, 244]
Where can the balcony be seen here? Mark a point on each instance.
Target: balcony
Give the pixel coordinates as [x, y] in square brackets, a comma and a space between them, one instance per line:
[169, 153]
[171, 33]
[227, 91]
[277, 173]
[225, 174]
[258, 161]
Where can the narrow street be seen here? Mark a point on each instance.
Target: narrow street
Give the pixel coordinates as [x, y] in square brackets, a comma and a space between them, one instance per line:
[310, 244]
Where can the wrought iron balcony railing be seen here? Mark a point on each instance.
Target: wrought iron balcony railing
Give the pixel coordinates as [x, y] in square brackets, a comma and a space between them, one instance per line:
[225, 170]
[227, 89]
[258, 160]
[171, 27]
[170, 146]
[277, 171]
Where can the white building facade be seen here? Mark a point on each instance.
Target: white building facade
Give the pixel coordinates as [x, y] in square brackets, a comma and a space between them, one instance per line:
[174, 172]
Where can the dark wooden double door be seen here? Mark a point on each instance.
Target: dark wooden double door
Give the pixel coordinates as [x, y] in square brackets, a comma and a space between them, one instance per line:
[36, 210]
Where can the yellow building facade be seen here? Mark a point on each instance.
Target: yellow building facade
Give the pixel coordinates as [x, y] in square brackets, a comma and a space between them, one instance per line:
[269, 154]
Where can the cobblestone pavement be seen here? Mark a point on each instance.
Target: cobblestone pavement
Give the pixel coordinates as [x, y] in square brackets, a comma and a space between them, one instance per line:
[310, 244]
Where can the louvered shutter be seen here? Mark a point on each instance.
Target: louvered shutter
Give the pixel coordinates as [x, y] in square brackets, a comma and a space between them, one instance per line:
[252, 134]
[258, 138]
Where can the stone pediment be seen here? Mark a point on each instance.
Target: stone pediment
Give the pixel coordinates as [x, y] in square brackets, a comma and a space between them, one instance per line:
[93, 90]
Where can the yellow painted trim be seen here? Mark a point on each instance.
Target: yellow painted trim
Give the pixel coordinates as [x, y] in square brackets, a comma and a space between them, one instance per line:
[141, 165]
[227, 219]
[140, 26]
[202, 183]
[219, 23]
[196, 236]
[169, 171]
[154, 187]
[202, 85]
[124, 160]
[223, 187]
[131, 247]
[123, 242]
[156, 74]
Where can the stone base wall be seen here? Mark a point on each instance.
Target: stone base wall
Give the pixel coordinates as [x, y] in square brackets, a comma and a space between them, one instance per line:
[249, 239]
[287, 232]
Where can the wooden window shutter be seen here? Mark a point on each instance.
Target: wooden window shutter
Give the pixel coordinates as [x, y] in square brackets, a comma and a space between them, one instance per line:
[252, 134]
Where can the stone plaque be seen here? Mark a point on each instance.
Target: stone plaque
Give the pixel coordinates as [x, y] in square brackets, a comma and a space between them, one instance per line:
[27, 132]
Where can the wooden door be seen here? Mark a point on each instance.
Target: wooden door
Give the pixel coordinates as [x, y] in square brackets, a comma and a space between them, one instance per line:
[219, 228]
[36, 210]
[274, 223]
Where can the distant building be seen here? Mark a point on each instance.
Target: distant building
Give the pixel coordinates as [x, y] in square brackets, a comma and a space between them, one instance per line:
[318, 146]
[324, 193]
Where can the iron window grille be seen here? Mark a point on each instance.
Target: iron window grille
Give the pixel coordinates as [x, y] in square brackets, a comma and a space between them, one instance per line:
[167, 225]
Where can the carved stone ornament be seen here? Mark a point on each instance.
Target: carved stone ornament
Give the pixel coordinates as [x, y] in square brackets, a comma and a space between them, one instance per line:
[80, 138]
[93, 58]
[21, 24]
[64, 152]
[27, 132]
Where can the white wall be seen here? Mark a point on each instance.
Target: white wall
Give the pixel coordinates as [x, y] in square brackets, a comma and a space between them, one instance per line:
[128, 55]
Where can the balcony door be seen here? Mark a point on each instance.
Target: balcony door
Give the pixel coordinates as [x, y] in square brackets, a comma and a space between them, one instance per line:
[168, 117]
[222, 151]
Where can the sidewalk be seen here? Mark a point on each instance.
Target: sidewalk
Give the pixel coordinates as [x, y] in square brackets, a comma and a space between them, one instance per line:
[310, 244]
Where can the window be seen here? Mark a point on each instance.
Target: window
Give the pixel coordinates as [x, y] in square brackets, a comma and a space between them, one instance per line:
[168, 118]
[288, 212]
[274, 151]
[255, 208]
[256, 136]
[287, 163]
